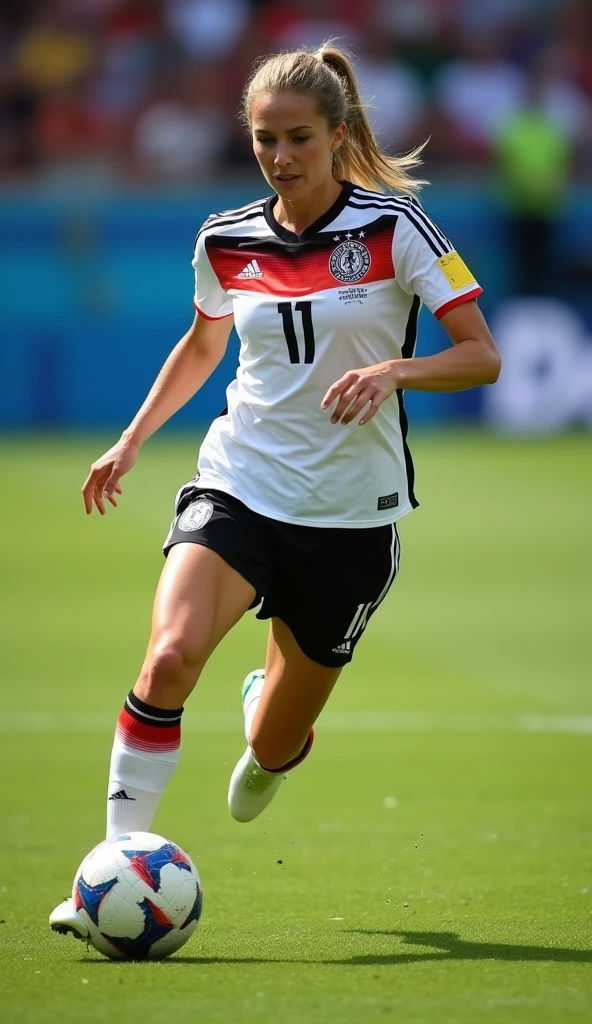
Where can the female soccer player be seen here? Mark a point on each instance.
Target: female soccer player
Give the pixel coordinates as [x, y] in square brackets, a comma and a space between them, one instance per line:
[301, 482]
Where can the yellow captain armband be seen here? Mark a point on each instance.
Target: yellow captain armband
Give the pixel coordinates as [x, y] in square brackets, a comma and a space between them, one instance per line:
[455, 271]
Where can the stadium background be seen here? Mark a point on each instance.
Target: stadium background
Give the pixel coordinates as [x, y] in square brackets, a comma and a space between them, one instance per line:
[433, 859]
[118, 136]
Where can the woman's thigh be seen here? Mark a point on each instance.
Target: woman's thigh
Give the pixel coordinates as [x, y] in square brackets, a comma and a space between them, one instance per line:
[295, 691]
[199, 599]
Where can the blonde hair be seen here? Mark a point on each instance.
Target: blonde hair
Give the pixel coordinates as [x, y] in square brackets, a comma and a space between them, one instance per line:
[328, 75]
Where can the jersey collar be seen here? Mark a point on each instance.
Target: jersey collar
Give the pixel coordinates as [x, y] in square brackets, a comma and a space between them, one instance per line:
[317, 225]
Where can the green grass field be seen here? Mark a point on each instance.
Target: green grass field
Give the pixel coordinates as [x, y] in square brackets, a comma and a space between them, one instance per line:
[431, 862]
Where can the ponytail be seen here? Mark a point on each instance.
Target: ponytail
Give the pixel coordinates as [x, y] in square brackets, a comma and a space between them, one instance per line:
[359, 158]
[328, 75]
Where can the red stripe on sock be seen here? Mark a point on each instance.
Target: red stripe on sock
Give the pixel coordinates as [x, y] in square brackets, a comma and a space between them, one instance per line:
[142, 736]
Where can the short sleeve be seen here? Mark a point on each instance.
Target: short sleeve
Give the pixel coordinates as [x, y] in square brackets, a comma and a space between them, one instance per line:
[427, 265]
[210, 299]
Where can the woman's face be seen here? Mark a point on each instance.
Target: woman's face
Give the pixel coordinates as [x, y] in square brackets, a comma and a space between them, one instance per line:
[293, 143]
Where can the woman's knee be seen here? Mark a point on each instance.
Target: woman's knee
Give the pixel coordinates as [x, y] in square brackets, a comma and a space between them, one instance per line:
[170, 672]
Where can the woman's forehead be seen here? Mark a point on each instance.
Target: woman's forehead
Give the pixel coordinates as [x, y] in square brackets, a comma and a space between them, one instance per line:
[283, 110]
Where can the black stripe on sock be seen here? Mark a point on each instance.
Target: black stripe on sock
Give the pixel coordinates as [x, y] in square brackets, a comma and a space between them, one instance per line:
[151, 715]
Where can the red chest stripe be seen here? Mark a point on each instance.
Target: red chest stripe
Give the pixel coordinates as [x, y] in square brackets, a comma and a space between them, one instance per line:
[293, 273]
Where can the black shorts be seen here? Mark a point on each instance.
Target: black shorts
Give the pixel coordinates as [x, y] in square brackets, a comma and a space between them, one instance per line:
[323, 583]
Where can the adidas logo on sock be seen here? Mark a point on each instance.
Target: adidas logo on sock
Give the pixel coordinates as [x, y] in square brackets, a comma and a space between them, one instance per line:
[344, 648]
[251, 270]
[121, 795]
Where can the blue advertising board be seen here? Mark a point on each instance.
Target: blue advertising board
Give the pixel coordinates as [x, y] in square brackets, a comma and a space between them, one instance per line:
[95, 293]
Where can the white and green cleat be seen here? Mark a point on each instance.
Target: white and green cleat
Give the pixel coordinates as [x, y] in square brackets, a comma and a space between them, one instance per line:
[251, 787]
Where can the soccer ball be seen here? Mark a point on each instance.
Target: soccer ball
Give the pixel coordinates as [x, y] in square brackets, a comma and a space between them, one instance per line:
[139, 895]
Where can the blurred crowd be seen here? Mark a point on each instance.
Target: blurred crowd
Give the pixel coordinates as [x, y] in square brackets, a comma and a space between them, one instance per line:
[146, 91]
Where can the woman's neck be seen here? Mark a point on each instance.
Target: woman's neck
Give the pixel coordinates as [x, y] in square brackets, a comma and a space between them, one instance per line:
[297, 215]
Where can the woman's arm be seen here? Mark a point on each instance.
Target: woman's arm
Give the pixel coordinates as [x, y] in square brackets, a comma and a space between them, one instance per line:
[189, 365]
[473, 360]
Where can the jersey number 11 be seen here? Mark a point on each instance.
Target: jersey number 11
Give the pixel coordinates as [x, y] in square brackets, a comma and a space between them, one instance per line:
[304, 308]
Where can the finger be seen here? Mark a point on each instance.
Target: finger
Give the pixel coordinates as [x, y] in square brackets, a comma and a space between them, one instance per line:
[356, 408]
[98, 500]
[87, 499]
[90, 485]
[375, 404]
[111, 481]
[336, 389]
[116, 490]
[332, 394]
[348, 396]
[88, 491]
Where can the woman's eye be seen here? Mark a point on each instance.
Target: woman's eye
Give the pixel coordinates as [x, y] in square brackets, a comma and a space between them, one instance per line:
[296, 138]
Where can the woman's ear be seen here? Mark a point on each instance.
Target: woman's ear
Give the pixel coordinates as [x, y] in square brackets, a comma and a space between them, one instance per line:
[338, 136]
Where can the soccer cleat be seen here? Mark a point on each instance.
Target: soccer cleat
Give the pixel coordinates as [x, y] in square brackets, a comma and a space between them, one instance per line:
[65, 919]
[251, 788]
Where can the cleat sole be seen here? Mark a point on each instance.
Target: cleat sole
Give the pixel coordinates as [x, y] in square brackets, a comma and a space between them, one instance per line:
[65, 929]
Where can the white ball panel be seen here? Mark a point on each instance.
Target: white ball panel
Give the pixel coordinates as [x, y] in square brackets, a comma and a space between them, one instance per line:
[121, 918]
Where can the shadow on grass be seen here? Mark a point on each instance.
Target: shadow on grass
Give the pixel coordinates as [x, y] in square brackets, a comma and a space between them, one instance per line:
[451, 947]
[448, 944]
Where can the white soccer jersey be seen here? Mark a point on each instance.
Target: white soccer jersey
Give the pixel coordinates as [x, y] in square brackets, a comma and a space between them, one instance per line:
[344, 294]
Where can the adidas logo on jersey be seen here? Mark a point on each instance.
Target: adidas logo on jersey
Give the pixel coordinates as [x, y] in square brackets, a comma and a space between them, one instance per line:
[343, 648]
[251, 270]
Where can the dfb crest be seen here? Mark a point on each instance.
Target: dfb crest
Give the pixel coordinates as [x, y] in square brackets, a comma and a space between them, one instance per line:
[349, 262]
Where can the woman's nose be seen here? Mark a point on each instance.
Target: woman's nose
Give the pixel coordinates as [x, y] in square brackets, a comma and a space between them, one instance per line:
[283, 157]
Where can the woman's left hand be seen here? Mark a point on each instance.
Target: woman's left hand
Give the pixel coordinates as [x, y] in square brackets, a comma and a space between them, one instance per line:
[358, 389]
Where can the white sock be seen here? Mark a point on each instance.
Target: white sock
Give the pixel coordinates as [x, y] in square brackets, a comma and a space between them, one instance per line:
[144, 756]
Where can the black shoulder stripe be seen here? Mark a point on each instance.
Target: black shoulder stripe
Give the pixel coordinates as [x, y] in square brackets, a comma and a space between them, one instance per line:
[220, 221]
[241, 209]
[419, 210]
[416, 211]
[410, 203]
[231, 218]
[434, 244]
[215, 240]
[362, 193]
[231, 214]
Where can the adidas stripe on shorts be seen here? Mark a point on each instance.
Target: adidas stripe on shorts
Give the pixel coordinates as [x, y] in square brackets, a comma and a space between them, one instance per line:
[324, 583]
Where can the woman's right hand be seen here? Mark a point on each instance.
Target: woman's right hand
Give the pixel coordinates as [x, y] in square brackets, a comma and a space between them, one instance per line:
[103, 480]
